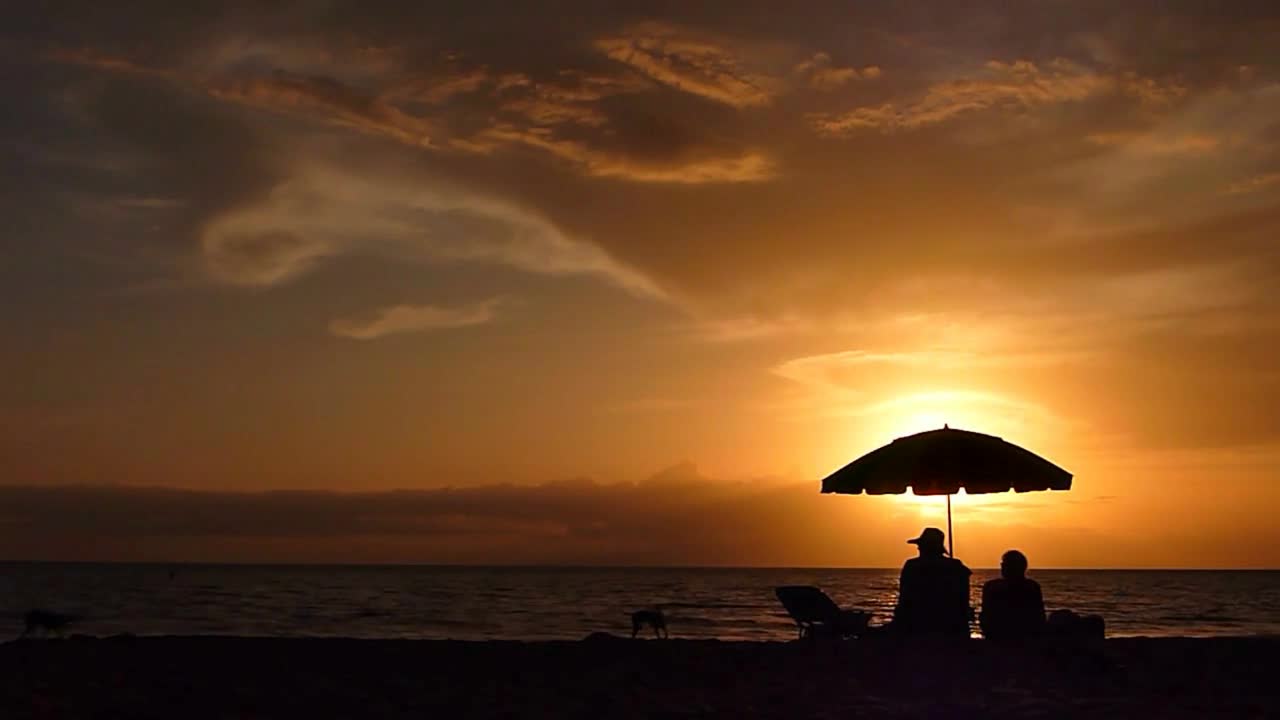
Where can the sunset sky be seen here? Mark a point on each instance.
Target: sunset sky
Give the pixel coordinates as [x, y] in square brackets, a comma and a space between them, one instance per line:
[584, 282]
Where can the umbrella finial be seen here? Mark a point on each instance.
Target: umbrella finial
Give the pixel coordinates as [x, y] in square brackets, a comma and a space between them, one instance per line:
[946, 426]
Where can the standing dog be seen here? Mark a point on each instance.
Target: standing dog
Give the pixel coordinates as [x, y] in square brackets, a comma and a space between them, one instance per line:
[652, 618]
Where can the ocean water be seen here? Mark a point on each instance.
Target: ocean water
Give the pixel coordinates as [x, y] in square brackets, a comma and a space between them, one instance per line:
[569, 603]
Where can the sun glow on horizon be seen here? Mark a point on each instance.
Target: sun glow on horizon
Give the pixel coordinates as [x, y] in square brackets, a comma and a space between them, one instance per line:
[961, 503]
[917, 422]
[978, 411]
[973, 410]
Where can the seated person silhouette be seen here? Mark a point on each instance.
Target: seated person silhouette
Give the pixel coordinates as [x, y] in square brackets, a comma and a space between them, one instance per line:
[933, 593]
[1012, 606]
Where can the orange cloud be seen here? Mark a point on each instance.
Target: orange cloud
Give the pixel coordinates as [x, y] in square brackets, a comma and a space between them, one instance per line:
[545, 112]
[822, 75]
[325, 210]
[461, 84]
[1190, 143]
[330, 101]
[1020, 85]
[531, 111]
[748, 167]
[88, 57]
[696, 66]
[570, 99]
[1256, 183]
[401, 319]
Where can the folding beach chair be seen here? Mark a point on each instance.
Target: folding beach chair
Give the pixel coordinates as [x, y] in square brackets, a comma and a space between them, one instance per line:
[814, 613]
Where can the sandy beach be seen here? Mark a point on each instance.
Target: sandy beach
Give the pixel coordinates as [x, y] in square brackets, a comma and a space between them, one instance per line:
[603, 676]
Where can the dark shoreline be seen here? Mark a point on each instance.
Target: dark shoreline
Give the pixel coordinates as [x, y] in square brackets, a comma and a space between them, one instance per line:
[180, 565]
[605, 676]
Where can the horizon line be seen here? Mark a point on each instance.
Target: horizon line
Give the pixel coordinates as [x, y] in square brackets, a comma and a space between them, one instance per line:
[592, 566]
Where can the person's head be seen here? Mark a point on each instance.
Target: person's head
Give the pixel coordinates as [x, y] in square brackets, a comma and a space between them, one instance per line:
[1013, 565]
[932, 541]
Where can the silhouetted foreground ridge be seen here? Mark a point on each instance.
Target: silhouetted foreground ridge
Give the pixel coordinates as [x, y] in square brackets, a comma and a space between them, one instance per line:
[616, 678]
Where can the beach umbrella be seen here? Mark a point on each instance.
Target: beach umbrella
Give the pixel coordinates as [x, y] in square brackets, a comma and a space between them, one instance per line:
[940, 462]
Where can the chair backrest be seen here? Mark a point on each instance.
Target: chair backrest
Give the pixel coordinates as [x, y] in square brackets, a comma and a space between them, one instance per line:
[807, 604]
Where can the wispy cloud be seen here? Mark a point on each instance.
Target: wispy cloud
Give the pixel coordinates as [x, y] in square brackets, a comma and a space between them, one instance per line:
[249, 74]
[328, 210]
[746, 328]
[750, 166]
[1201, 147]
[1186, 144]
[460, 84]
[401, 319]
[571, 98]
[822, 370]
[414, 107]
[246, 247]
[695, 65]
[92, 58]
[546, 112]
[349, 58]
[822, 74]
[330, 100]
[151, 203]
[1018, 85]
[1256, 183]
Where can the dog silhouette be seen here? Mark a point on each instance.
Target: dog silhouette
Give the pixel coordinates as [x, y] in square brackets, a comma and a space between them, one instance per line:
[653, 618]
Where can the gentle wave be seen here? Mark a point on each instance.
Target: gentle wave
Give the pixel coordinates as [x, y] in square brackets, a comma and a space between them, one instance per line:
[570, 603]
[713, 606]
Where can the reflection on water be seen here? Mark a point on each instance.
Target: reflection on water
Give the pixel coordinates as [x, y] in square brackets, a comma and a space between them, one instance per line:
[550, 603]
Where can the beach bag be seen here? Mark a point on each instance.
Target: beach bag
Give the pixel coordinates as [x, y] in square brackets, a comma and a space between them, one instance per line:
[1068, 624]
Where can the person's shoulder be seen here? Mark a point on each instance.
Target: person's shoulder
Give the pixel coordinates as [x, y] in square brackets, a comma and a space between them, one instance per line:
[994, 583]
[959, 566]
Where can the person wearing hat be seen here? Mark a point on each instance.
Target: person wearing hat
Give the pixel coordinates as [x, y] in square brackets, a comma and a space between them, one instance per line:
[933, 592]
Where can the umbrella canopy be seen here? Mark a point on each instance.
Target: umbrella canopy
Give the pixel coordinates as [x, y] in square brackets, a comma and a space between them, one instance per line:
[941, 462]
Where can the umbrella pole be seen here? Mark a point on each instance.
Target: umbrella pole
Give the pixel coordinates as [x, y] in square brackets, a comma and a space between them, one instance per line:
[951, 541]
